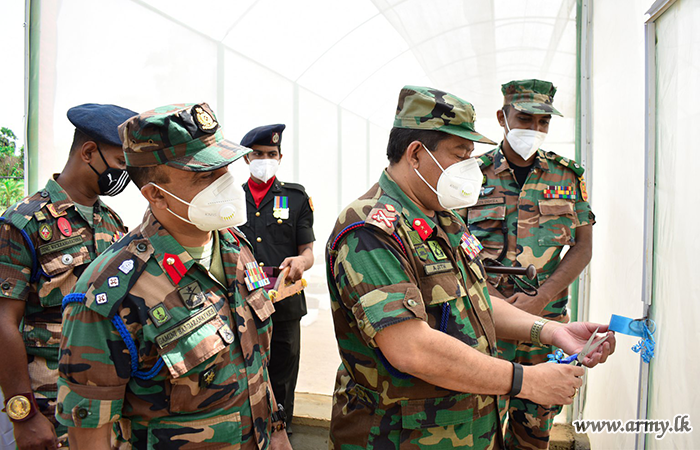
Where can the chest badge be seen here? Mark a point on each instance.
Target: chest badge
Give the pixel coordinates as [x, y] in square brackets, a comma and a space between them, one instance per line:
[471, 245]
[64, 227]
[486, 190]
[280, 209]
[422, 251]
[45, 232]
[159, 314]
[126, 266]
[207, 377]
[192, 295]
[437, 250]
[254, 276]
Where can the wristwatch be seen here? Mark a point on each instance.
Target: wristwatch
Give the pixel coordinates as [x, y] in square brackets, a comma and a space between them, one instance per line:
[279, 417]
[21, 407]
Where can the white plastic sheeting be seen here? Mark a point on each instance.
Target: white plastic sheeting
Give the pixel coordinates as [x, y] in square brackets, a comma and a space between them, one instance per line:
[675, 301]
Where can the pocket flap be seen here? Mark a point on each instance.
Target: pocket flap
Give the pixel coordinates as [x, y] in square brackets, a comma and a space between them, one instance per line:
[441, 288]
[62, 260]
[260, 302]
[487, 212]
[556, 207]
[438, 412]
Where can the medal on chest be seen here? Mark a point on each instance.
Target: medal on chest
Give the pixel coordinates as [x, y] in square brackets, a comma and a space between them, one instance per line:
[471, 245]
[254, 276]
[565, 192]
[280, 210]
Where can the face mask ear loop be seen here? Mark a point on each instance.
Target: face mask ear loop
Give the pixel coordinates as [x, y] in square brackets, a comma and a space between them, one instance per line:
[421, 176]
[176, 198]
[505, 119]
[431, 155]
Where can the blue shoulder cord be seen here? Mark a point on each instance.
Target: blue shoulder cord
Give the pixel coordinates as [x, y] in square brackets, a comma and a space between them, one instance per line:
[126, 337]
[36, 273]
[393, 371]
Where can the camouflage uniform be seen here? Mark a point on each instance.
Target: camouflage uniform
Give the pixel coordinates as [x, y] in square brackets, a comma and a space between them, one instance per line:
[152, 341]
[39, 264]
[387, 262]
[529, 225]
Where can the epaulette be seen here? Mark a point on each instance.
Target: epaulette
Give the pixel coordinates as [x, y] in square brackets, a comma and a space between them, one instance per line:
[20, 214]
[110, 277]
[485, 160]
[566, 162]
[384, 215]
[295, 186]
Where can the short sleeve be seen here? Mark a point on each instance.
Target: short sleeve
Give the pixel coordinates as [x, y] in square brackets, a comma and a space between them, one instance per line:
[15, 264]
[94, 368]
[583, 208]
[305, 224]
[375, 283]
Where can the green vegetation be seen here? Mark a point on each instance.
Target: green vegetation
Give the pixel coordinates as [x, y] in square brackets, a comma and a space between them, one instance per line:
[11, 169]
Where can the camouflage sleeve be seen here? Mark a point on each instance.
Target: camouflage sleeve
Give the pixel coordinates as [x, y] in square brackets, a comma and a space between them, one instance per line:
[93, 369]
[583, 208]
[15, 263]
[375, 283]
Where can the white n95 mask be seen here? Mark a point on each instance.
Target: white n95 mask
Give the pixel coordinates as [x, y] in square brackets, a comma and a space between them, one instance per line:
[264, 169]
[219, 205]
[524, 142]
[458, 185]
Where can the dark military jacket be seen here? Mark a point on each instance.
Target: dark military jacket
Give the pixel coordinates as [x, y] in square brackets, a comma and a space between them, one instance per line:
[276, 238]
[153, 341]
[386, 263]
[41, 259]
[532, 225]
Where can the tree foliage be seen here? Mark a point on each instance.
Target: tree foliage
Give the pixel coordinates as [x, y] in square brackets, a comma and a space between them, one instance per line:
[11, 169]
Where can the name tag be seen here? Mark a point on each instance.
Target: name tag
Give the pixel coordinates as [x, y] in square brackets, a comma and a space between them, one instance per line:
[432, 269]
[490, 201]
[60, 245]
[186, 327]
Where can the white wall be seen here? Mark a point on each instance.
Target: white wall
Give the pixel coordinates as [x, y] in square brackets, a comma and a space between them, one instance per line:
[617, 198]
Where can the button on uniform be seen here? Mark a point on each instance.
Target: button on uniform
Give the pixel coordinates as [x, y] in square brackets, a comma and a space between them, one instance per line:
[257, 213]
[259, 239]
[67, 259]
[141, 247]
[412, 303]
[82, 413]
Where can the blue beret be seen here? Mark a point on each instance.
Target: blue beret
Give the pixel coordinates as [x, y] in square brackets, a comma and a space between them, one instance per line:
[264, 135]
[100, 122]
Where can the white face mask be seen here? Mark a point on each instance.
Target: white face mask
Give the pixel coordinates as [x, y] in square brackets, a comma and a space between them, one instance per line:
[264, 169]
[219, 205]
[458, 185]
[524, 142]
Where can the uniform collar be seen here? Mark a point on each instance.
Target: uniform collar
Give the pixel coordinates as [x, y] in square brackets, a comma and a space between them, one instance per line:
[60, 199]
[500, 163]
[412, 213]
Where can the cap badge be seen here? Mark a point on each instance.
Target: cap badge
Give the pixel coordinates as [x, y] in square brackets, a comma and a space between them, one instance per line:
[275, 138]
[204, 120]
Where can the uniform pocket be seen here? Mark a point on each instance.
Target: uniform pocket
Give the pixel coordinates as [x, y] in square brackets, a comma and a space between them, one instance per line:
[557, 223]
[196, 431]
[487, 223]
[59, 266]
[441, 288]
[280, 231]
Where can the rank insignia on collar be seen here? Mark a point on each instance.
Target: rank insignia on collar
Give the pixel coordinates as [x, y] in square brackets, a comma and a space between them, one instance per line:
[254, 276]
[471, 245]
[101, 298]
[192, 295]
[64, 227]
[45, 232]
[126, 266]
[421, 226]
[381, 217]
[566, 192]
[204, 120]
[113, 281]
[174, 267]
[159, 314]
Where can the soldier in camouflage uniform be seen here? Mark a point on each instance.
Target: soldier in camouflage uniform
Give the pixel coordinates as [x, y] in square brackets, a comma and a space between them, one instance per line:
[397, 254]
[533, 205]
[166, 337]
[46, 241]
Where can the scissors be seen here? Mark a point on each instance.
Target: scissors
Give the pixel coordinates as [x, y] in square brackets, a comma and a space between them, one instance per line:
[577, 358]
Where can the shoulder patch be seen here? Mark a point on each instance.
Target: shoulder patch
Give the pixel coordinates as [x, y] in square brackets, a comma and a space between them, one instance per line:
[566, 162]
[113, 273]
[20, 214]
[384, 217]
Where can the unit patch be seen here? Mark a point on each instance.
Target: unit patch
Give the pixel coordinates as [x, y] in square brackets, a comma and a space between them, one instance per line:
[64, 227]
[159, 314]
[126, 266]
[226, 334]
[45, 232]
[113, 281]
[101, 298]
[437, 250]
[192, 295]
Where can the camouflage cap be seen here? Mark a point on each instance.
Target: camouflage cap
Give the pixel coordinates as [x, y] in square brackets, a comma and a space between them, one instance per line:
[530, 96]
[183, 136]
[423, 108]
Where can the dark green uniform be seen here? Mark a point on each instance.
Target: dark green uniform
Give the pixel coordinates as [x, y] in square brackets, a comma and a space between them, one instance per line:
[40, 261]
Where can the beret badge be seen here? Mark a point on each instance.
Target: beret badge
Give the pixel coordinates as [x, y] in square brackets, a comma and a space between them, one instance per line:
[204, 120]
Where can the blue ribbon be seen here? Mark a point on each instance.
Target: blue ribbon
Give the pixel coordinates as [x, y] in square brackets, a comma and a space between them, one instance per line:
[642, 328]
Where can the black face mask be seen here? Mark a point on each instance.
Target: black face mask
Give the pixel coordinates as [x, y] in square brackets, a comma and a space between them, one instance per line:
[112, 181]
